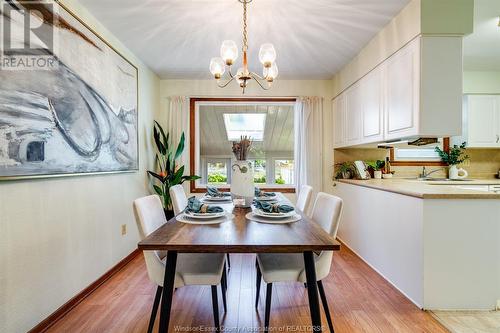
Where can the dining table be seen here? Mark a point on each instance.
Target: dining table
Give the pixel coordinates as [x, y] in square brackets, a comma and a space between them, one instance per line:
[240, 235]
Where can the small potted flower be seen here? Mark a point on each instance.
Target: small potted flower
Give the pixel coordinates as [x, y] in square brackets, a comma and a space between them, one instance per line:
[344, 170]
[375, 168]
[455, 156]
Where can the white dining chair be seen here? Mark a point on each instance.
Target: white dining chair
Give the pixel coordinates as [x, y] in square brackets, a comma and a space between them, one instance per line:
[191, 269]
[284, 267]
[179, 199]
[304, 198]
[180, 202]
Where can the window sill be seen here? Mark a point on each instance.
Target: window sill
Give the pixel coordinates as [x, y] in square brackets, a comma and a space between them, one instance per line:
[267, 188]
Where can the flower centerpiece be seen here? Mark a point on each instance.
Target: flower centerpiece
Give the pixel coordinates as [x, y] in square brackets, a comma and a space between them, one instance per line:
[242, 186]
[168, 173]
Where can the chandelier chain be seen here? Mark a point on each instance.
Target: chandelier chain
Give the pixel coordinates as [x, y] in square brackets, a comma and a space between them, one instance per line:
[245, 39]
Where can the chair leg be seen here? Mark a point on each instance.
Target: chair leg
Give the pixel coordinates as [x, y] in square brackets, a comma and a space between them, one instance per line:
[224, 277]
[325, 305]
[228, 261]
[215, 306]
[269, 292]
[223, 286]
[156, 303]
[257, 285]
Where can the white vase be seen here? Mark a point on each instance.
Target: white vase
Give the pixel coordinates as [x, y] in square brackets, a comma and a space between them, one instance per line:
[377, 174]
[456, 173]
[242, 187]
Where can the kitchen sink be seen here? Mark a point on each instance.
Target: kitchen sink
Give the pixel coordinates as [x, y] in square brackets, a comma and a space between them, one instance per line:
[431, 179]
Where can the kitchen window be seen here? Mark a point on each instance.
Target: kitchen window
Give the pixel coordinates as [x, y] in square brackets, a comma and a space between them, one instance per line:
[217, 122]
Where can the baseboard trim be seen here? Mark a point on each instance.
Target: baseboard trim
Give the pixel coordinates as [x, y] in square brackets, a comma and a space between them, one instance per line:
[45, 324]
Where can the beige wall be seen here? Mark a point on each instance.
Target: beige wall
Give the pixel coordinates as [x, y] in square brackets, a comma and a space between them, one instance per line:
[281, 88]
[481, 82]
[59, 235]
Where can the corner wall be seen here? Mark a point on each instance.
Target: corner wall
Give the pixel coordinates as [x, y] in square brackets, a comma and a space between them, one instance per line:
[59, 235]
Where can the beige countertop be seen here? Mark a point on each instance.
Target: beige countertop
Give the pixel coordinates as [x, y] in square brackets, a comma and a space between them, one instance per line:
[429, 189]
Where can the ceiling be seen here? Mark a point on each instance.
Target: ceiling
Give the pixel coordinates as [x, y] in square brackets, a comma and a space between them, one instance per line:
[482, 48]
[314, 38]
[278, 131]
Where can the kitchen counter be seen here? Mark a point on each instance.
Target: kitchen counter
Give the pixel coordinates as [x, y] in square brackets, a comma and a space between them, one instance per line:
[429, 189]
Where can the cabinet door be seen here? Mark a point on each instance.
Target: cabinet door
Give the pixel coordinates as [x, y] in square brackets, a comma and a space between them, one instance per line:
[353, 101]
[402, 92]
[372, 112]
[483, 121]
[338, 109]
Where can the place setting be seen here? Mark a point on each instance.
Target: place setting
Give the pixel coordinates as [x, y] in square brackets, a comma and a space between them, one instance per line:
[198, 212]
[214, 195]
[272, 212]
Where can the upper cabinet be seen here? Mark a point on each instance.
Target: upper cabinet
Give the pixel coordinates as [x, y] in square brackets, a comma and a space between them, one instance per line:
[482, 121]
[338, 110]
[416, 92]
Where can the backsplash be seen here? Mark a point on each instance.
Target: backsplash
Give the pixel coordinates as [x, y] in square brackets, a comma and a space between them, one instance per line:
[483, 163]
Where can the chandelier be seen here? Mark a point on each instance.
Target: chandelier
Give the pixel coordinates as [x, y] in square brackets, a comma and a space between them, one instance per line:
[229, 54]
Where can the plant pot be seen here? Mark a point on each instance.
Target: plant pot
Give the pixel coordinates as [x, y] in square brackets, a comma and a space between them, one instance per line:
[242, 187]
[456, 173]
[377, 174]
[168, 213]
[346, 175]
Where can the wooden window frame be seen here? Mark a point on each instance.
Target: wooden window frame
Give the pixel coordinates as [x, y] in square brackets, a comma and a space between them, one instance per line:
[192, 135]
[446, 148]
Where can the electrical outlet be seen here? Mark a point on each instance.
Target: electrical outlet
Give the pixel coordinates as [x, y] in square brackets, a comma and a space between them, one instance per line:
[124, 229]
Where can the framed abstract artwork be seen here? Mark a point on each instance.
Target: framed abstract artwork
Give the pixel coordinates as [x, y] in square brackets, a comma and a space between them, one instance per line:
[68, 100]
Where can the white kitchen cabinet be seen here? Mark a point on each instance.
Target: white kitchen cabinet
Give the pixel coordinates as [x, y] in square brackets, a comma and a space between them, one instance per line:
[482, 121]
[417, 92]
[353, 109]
[372, 107]
[338, 110]
[402, 92]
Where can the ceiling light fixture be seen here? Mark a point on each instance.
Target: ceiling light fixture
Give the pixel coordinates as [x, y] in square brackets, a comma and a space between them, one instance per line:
[229, 53]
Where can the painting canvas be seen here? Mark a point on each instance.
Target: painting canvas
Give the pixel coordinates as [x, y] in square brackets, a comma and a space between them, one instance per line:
[76, 116]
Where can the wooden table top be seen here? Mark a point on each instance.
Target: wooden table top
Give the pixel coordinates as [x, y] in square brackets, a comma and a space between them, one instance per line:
[240, 236]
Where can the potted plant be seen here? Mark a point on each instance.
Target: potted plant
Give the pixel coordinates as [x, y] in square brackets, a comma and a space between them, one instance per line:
[455, 156]
[344, 170]
[376, 167]
[168, 173]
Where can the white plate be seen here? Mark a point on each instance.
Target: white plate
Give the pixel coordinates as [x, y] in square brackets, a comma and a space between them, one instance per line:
[265, 198]
[204, 216]
[260, 219]
[187, 219]
[216, 199]
[260, 212]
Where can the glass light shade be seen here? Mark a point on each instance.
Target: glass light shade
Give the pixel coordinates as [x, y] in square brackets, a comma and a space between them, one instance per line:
[270, 73]
[267, 54]
[229, 51]
[217, 67]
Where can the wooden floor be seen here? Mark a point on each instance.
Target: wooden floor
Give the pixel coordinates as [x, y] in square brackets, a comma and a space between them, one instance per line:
[360, 301]
[470, 321]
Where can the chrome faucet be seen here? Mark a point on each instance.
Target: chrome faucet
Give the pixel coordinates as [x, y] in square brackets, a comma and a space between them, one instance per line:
[426, 174]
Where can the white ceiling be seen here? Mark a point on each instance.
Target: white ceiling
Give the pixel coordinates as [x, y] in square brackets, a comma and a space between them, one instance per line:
[482, 48]
[313, 38]
[278, 131]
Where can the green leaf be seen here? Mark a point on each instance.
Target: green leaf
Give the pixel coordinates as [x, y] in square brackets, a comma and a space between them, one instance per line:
[180, 147]
[158, 190]
[159, 144]
[178, 176]
[165, 137]
[157, 176]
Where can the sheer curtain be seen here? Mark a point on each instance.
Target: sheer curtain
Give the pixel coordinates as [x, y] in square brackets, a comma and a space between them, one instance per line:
[177, 121]
[309, 142]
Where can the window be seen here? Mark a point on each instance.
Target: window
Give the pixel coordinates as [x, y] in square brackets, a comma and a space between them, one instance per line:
[418, 155]
[216, 123]
[284, 172]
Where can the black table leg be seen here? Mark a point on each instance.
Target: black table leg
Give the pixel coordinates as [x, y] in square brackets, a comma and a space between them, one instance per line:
[168, 291]
[312, 291]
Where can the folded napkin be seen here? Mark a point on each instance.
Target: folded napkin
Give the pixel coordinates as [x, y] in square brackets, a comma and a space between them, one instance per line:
[195, 206]
[214, 192]
[260, 193]
[273, 207]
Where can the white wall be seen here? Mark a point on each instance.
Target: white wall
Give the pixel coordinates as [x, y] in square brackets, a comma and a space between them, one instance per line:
[476, 82]
[281, 88]
[59, 235]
